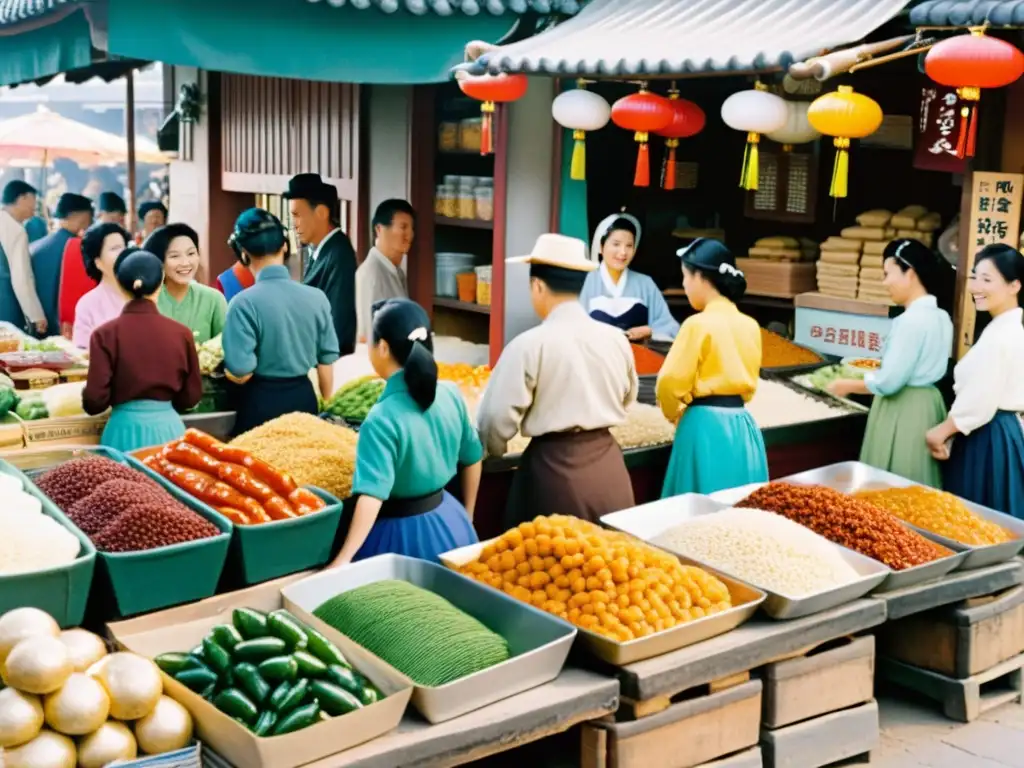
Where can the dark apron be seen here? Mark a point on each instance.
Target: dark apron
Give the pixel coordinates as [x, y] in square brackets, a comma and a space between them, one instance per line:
[262, 399]
[411, 506]
[570, 473]
[717, 401]
[636, 316]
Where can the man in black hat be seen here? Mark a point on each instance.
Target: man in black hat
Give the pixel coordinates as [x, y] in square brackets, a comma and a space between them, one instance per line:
[313, 205]
[112, 209]
[73, 215]
[152, 216]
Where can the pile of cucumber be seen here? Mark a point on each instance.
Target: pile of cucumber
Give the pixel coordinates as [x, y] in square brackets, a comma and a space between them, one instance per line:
[271, 673]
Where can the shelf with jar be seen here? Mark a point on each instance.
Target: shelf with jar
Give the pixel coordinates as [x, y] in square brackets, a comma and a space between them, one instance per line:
[465, 201]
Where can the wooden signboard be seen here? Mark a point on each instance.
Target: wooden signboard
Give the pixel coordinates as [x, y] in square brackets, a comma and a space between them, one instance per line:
[995, 218]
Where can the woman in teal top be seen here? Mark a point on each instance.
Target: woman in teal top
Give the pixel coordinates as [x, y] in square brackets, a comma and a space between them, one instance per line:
[197, 306]
[411, 445]
[277, 331]
[915, 357]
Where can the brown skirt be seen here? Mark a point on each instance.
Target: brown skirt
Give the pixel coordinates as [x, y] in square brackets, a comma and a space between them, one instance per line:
[570, 473]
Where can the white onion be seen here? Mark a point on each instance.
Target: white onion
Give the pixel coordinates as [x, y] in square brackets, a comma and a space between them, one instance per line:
[21, 717]
[47, 750]
[84, 648]
[167, 728]
[132, 682]
[111, 741]
[20, 623]
[38, 665]
[79, 707]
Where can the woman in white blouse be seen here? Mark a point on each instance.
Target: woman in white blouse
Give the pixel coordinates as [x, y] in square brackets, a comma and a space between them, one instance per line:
[983, 437]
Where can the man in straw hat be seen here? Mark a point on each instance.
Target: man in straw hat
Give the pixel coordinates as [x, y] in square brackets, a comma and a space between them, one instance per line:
[563, 383]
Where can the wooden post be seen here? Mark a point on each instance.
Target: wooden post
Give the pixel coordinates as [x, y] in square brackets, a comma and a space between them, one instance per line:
[129, 129]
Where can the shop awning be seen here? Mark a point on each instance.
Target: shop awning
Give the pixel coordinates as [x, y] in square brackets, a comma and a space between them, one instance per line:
[17, 11]
[40, 38]
[465, 7]
[968, 13]
[616, 38]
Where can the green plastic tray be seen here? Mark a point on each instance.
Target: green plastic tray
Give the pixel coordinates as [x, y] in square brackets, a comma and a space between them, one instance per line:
[270, 550]
[62, 592]
[159, 578]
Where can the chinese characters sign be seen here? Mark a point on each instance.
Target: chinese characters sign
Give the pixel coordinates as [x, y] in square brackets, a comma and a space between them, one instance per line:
[937, 131]
[995, 218]
[840, 333]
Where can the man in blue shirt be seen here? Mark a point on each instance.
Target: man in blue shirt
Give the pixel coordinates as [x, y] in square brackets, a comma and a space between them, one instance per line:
[74, 215]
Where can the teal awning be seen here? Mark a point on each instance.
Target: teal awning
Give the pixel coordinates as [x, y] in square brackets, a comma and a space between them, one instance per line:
[43, 49]
[301, 40]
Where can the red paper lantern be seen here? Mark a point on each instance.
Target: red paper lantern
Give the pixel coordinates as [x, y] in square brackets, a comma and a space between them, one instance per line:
[687, 120]
[970, 63]
[492, 89]
[643, 113]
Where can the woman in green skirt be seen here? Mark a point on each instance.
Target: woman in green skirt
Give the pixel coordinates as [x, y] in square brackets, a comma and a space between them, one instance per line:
[915, 357]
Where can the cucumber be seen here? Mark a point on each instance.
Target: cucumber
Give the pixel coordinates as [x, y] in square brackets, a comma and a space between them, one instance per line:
[216, 658]
[303, 717]
[249, 680]
[259, 649]
[227, 636]
[368, 692]
[285, 626]
[344, 678]
[324, 649]
[333, 699]
[279, 669]
[266, 721]
[294, 697]
[236, 704]
[309, 665]
[197, 679]
[173, 663]
[278, 695]
[250, 623]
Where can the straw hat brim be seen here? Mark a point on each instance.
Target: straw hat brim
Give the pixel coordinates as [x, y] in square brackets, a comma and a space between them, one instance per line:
[575, 265]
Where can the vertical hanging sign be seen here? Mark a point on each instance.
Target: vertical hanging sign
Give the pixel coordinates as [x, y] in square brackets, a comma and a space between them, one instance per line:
[995, 218]
[935, 134]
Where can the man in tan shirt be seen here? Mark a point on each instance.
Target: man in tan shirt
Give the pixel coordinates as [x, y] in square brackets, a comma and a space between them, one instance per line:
[563, 384]
[19, 302]
[380, 276]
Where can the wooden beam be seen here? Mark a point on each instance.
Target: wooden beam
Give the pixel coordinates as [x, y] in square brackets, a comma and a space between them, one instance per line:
[497, 329]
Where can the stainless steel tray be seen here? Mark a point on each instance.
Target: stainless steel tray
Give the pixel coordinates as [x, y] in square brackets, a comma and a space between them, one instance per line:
[539, 643]
[649, 521]
[746, 600]
[854, 476]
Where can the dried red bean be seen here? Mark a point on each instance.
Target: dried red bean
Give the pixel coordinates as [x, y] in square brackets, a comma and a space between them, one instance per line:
[74, 480]
[149, 525]
[110, 500]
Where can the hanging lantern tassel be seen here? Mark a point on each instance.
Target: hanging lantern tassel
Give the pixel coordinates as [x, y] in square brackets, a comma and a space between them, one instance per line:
[487, 129]
[642, 177]
[670, 164]
[968, 120]
[578, 168]
[750, 172]
[841, 168]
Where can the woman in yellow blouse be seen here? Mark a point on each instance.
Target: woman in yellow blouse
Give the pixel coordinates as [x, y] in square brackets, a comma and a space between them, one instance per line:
[710, 372]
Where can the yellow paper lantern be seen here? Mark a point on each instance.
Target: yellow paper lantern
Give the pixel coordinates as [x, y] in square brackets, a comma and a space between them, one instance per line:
[844, 115]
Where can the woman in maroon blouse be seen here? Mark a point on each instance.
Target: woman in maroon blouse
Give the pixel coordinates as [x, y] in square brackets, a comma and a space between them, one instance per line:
[142, 365]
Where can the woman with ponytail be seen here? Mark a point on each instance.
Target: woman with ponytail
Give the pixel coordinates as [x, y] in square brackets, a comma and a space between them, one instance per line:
[412, 443]
[142, 365]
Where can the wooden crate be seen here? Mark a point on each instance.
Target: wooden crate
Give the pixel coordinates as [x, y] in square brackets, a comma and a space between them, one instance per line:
[64, 430]
[780, 279]
[686, 734]
[834, 676]
[962, 640]
[824, 740]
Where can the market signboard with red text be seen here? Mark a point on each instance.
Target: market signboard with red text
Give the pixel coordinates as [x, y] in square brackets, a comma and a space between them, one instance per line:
[840, 333]
[937, 129]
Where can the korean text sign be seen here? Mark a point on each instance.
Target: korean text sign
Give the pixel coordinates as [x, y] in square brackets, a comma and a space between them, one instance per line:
[840, 333]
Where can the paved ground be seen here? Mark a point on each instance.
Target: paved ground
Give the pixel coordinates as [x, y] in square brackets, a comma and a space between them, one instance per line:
[916, 735]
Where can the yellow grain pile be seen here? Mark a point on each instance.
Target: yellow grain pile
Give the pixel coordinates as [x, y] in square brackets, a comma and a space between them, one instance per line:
[311, 450]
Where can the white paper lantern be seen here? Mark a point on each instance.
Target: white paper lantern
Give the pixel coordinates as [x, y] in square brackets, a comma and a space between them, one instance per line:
[580, 110]
[797, 129]
[754, 112]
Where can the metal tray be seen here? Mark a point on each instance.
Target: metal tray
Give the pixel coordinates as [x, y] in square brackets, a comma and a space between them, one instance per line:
[746, 600]
[649, 521]
[539, 643]
[854, 476]
[804, 383]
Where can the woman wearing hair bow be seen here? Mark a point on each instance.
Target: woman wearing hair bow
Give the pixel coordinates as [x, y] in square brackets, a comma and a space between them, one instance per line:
[615, 294]
[412, 443]
[710, 372]
[275, 332]
[915, 357]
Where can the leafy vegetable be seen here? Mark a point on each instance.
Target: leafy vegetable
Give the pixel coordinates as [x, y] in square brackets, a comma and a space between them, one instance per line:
[8, 400]
[355, 399]
[821, 378]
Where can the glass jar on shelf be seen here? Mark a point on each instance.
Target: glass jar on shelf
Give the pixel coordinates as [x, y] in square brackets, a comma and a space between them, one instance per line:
[466, 201]
[448, 136]
[484, 198]
[445, 203]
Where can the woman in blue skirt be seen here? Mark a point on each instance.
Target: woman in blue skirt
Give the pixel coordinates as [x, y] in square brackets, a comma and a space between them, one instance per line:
[983, 437]
[710, 372]
[142, 365]
[411, 445]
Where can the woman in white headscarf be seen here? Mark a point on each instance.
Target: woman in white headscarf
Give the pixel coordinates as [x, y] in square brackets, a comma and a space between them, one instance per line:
[617, 295]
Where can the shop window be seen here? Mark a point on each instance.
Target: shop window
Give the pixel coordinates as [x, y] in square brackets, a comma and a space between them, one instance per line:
[787, 185]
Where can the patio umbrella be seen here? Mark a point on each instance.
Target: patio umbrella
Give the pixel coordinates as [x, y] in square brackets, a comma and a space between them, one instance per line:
[43, 136]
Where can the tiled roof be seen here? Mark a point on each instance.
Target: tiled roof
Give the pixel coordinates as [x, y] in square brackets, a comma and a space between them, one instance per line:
[966, 13]
[463, 7]
[15, 11]
[676, 37]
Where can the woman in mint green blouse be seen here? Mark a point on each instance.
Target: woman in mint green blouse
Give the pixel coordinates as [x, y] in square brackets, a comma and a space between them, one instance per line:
[915, 357]
[197, 306]
[411, 445]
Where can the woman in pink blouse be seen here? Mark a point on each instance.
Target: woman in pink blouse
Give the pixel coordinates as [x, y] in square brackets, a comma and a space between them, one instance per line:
[101, 245]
